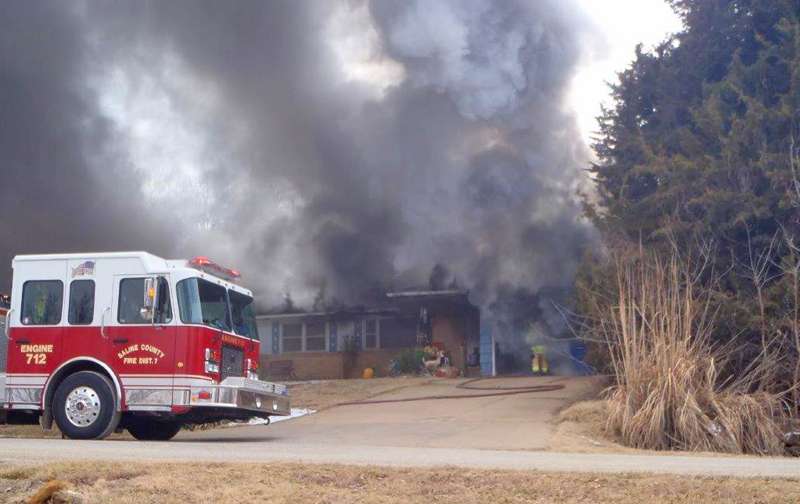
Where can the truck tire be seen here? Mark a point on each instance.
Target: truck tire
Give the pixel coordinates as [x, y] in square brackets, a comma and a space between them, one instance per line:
[153, 430]
[85, 406]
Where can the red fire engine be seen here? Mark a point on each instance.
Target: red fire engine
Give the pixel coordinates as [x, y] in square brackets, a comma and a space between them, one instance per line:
[104, 342]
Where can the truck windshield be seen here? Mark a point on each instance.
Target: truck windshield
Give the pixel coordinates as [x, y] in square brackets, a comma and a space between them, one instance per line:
[202, 302]
[206, 303]
[243, 314]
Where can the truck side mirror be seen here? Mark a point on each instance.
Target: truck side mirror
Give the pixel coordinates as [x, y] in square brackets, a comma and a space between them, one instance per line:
[148, 309]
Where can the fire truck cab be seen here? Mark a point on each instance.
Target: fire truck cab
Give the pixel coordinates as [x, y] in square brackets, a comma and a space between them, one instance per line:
[110, 341]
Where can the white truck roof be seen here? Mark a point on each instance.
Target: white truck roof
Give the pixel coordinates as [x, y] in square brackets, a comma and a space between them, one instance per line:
[150, 264]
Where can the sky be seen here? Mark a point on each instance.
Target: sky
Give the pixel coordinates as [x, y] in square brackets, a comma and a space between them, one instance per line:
[622, 24]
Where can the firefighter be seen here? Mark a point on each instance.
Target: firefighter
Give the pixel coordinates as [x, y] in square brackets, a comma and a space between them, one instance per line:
[539, 359]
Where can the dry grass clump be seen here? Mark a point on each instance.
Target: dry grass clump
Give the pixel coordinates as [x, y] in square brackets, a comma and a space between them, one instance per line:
[592, 412]
[669, 393]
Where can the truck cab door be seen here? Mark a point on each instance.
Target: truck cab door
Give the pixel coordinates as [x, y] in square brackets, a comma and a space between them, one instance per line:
[142, 341]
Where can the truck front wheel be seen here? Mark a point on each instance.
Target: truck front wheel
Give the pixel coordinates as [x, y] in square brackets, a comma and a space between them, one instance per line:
[153, 430]
[84, 406]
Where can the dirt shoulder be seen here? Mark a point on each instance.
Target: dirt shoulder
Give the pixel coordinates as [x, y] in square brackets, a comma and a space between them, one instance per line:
[141, 483]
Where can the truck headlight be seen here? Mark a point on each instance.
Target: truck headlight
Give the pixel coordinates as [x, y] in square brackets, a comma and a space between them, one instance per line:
[211, 363]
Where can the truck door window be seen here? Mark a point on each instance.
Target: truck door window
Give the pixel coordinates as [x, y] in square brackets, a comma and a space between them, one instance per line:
[81, 302]
[41, 302]
[131, 302]
[163, 305]
[189, 302]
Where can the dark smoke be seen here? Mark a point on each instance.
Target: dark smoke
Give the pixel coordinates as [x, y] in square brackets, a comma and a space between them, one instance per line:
[234, 129]
[63, 184]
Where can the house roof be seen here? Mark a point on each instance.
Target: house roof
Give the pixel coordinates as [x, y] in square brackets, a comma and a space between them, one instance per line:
[435, 293]
[403, 303]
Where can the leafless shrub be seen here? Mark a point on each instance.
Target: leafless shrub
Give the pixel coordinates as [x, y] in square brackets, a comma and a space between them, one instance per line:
[671, 392]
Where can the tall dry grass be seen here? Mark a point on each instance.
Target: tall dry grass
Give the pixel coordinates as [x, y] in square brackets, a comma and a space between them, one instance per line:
[669, 392]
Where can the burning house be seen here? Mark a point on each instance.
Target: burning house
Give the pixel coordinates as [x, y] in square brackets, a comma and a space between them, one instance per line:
[342, 343]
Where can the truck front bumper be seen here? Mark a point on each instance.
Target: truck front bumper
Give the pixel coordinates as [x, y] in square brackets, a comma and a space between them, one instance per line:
[262, 399]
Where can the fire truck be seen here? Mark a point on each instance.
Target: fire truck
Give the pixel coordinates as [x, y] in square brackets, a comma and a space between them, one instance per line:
[106, 342]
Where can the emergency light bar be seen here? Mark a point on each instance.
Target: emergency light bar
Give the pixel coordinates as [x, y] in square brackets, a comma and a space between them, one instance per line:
[205, 264]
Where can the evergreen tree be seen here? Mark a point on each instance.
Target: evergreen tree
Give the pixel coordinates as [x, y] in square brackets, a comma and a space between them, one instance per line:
[702, 146]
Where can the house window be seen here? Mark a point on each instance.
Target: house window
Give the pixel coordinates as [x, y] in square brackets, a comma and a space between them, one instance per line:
[399, 332]
[315, 337]
[371, 333]
[292, 337]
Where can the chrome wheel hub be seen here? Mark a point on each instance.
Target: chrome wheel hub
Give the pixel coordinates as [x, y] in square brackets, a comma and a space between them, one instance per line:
[82, 406]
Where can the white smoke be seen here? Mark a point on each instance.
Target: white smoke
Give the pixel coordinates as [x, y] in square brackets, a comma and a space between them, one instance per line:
[464, 49]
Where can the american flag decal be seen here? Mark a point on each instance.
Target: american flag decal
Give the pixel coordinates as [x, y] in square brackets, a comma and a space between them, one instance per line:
[83, 269]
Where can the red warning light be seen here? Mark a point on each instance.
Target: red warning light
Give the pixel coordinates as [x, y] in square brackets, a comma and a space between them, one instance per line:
[205, 264]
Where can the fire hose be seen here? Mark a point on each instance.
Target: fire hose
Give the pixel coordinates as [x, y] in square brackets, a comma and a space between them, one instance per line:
[467, 385]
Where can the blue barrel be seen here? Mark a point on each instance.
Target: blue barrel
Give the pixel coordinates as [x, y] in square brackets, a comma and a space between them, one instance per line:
[577, 351]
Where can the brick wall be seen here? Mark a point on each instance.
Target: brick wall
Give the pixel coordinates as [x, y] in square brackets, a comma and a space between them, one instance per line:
[375, 359]
[309, 365]
[332, 365]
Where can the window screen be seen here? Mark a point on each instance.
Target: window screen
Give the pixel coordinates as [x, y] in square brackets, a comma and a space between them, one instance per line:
[371, 334]
[81, 302]
[292, 337]
[315, 337]
[399, 333]
[41, 302]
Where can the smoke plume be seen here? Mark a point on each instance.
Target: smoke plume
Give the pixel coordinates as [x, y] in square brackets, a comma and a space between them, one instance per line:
[346, 146]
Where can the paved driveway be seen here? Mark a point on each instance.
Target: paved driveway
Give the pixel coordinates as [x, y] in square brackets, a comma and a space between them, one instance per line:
[511, 422]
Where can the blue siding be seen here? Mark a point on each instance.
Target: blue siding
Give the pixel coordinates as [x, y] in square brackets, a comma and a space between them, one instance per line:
[333, 339]
[276, 335]
[357, 333]
[486, 351]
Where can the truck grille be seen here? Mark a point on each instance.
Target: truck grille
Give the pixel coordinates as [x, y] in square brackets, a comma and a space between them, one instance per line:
[232, 362]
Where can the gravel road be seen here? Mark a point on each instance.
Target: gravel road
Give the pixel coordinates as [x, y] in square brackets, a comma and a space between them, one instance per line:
[242, 450]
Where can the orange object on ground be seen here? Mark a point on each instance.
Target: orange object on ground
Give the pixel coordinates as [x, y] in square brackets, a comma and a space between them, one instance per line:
[447, 372]
[368, 373]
